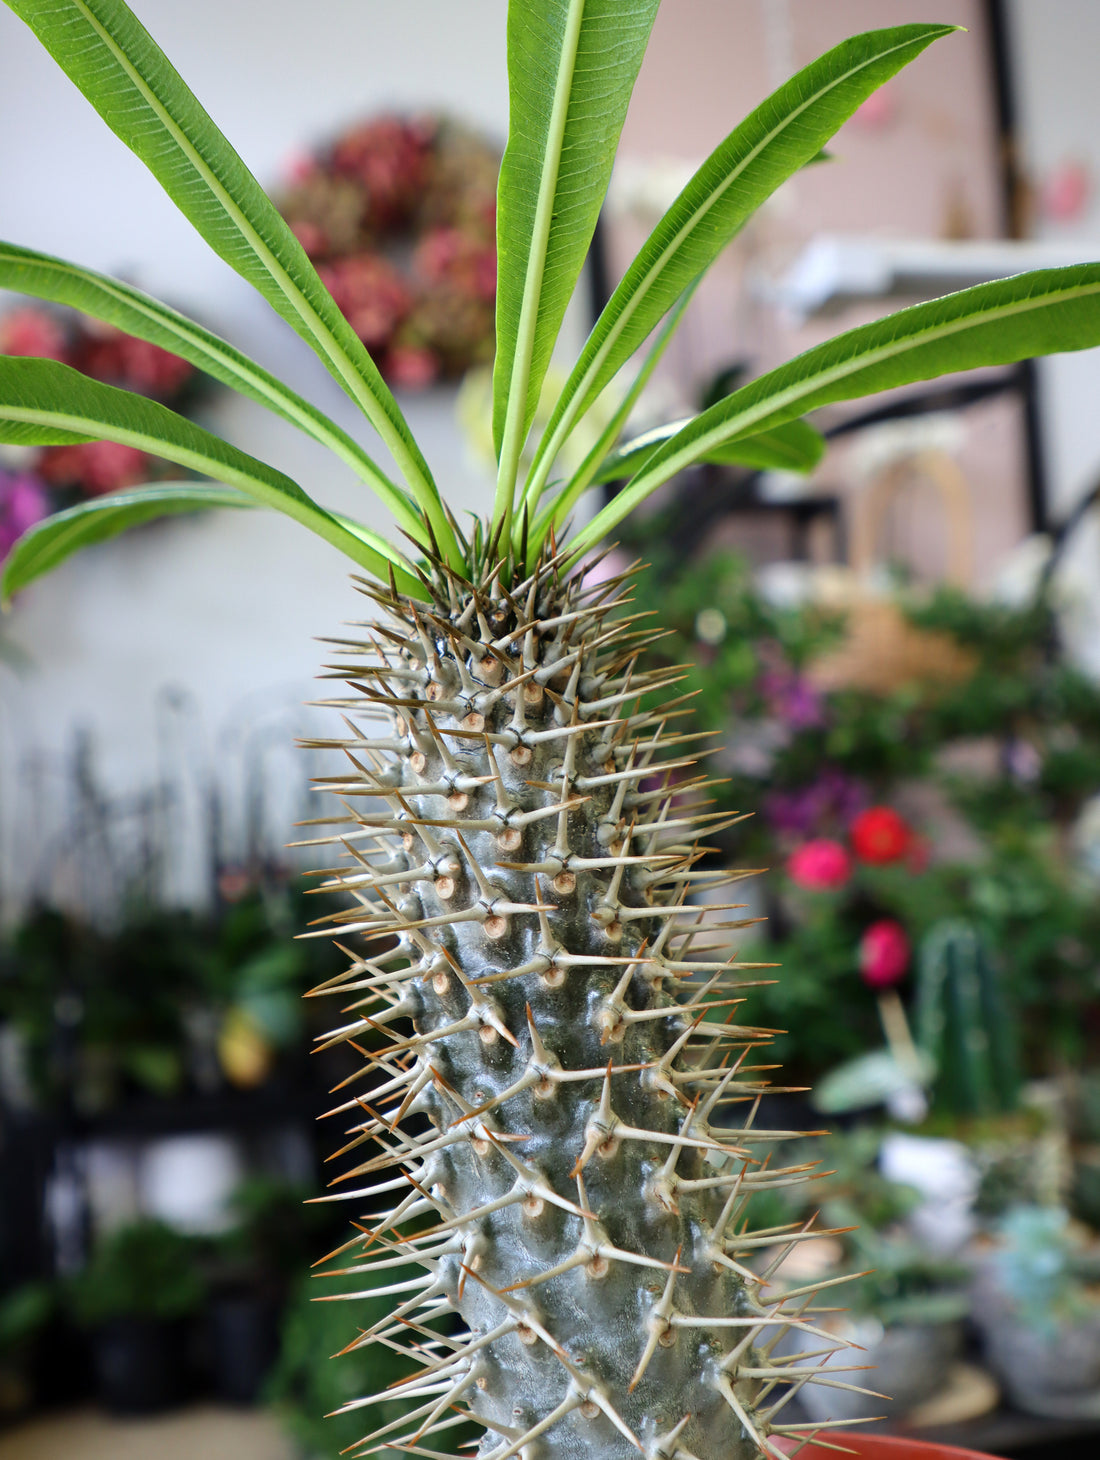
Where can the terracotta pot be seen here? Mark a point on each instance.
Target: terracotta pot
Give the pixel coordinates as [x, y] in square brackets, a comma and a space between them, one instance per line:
[888, 1447]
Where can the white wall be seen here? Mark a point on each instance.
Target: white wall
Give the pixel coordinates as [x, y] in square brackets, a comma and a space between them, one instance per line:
[1055, 44]
[225, 604]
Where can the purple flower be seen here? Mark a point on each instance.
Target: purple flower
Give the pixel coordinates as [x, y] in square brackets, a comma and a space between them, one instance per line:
[827, 804]
[23, 502]
[791, 698]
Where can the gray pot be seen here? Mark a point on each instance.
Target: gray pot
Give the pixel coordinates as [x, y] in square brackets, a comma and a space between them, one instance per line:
[911, 1364]
[1046, 1369]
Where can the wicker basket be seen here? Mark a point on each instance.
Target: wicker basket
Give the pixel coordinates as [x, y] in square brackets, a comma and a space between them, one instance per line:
[882, 650]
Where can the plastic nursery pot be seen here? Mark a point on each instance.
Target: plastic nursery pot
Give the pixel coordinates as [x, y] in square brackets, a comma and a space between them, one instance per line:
[885, 1447]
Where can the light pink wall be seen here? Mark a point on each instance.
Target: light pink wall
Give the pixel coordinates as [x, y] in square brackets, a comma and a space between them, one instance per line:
[926, 167]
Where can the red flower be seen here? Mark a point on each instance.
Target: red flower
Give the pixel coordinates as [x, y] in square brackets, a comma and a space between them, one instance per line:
[819, 866]
[883, 954]
[879, 835]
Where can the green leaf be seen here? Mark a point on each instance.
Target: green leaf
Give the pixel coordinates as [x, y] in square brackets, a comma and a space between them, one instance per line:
[558, 510]
[39, 398]
[1039, 313]
[572, 65]
[784, 134]
[56, 538]
[795, 446]
[118, 304]
[110, 56]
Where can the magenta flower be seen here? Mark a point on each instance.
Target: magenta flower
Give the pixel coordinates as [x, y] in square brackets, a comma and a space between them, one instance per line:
[883, 954]
[23, 502]
[819, 866]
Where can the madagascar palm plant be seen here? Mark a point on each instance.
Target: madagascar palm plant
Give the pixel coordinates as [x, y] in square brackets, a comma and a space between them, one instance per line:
[560, 1103]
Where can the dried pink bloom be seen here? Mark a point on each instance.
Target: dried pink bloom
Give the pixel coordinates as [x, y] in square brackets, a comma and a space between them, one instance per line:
[95, 467]
[32, 332]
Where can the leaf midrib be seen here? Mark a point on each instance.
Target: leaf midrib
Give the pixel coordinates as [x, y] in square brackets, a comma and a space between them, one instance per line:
[520, 376]
[300, 411]
[312, 321]
[651, 478]
[639, 295]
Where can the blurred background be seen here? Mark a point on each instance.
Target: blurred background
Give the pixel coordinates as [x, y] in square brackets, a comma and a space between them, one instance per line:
[898, 655]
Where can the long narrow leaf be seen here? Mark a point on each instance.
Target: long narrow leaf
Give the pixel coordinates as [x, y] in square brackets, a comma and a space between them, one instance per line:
[784, 134]
[56, 538]
[558, 511]
[39, 398]
[118, 304]
[572, 65]
[1039, 313]
[794, 446]
[111, 57]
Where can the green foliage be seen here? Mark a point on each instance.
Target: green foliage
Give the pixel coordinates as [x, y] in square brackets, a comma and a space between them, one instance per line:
[98, 1007]
[314, 1376]
[144, 1270]
[24, 1313]
[43, 401]
[781, 136]
[572, 67]
[64, 533]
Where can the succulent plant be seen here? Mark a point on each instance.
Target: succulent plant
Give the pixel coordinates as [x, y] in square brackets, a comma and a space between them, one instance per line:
[552, 1049]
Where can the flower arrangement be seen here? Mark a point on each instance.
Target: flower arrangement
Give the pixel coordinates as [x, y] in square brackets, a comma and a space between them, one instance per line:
[35, 481]
[887, 817]
[399, 216]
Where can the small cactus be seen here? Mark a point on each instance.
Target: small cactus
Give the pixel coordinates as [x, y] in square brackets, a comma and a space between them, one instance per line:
[963, 1022]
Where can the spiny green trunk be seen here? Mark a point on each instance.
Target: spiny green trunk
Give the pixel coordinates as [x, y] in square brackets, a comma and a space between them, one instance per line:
[520, 853]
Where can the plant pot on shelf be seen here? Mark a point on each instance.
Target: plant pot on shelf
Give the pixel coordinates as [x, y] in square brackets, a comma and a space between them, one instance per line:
[1050, 1372]
[909, 1363]
[1034, 1300]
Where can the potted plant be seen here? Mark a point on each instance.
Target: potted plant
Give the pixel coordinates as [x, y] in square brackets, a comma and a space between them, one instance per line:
[905, 1306]
[1037, 1302]
[139, 1287]
[515, 850]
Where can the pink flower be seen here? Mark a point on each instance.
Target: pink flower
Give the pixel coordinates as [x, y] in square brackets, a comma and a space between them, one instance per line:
[819, 866]
[22, 504]
[883, 954]
[32, 332]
